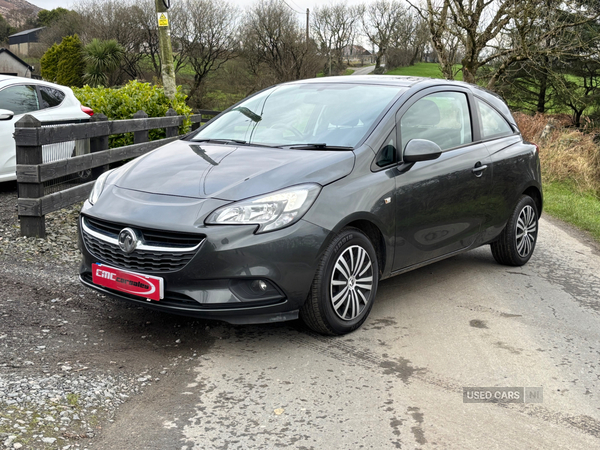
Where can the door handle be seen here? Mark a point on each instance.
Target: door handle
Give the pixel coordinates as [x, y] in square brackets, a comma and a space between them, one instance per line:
[478, 169]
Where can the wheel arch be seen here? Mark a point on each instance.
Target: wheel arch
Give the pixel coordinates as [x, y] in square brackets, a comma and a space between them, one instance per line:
[536, 194]
[375, 235]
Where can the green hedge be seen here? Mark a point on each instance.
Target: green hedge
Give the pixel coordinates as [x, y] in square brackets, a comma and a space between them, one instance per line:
[124, 102]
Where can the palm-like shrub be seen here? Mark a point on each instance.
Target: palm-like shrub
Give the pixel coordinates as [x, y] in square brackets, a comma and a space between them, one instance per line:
[103, 58]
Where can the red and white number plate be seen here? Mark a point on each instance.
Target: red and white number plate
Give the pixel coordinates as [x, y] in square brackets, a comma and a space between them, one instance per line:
[132, 283]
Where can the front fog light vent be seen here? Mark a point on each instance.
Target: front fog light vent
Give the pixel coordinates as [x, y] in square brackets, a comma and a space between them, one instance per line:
[255, 291]
[259, 286]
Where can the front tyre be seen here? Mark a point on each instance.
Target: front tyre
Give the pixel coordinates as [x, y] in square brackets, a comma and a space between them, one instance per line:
[345, 285]
[517, 241]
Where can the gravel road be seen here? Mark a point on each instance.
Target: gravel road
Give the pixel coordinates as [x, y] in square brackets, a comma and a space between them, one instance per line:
[78, 370]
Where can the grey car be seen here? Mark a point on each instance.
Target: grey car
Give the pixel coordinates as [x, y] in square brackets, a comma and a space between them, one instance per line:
[298, 200]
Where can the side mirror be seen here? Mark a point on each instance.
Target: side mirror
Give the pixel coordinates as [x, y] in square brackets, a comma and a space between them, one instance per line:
[5, 114]
[421, 150]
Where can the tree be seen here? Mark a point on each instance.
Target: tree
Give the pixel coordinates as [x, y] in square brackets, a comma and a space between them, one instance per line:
[103, 58]
[115, 19]
[63, 63]
[409, 40]
[498, 34]
[49, 63]
[60, 26]
[206, 37]
[71, 65]
[334, 27]
[5, 29]
[530, 82]
[47, 18]
[580, 88]
[380, 20]
[274, 45]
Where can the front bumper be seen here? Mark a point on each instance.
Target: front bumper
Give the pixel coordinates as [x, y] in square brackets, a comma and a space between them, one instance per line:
[214, 284]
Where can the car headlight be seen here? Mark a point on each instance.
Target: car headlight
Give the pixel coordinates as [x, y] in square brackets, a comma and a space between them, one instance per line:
[271, 211]
[98, 187]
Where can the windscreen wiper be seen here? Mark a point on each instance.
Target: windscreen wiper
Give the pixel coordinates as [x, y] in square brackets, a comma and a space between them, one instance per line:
[221, 141]
[233, 141]
[248, 113]
[317, 146]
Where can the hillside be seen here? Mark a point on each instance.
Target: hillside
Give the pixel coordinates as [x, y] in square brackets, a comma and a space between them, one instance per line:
[11, 6]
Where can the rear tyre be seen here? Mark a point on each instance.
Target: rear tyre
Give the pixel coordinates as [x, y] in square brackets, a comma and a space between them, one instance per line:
[345, 285]
[517, 241]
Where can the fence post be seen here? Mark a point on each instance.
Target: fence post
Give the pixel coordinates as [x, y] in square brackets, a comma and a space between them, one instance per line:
[140, 137]
[98, 144]
[171, 131]
[196, 125]
[33, 224]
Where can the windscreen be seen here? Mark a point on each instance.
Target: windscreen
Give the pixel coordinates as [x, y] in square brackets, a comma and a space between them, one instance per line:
[335, 115]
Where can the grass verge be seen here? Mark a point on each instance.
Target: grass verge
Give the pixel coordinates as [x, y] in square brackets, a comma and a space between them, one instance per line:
[565, 201]
[431, 70]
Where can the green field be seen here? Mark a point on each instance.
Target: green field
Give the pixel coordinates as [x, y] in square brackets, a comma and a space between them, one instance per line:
[564, 201]
[430, 70]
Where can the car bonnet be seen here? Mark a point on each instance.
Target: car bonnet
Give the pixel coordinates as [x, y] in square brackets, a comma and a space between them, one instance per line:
[230, 172]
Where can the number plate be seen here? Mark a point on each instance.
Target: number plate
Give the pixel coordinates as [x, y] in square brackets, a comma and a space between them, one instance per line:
[145, 286]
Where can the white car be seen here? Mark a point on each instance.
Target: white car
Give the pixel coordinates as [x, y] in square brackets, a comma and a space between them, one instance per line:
[48, 102]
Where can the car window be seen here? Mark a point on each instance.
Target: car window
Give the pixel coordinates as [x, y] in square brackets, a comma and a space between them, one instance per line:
[442, 117]
[19, 99]
[312, 113]
[387, 153]
[51, 97]
[492, 123]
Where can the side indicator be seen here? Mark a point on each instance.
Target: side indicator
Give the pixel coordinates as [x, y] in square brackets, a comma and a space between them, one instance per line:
[388, 200]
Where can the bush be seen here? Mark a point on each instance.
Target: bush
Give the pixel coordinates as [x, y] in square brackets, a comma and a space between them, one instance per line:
[123, 103]
[219, 101]
[49, 63]
[63, 63]
[566, 154]
[103, 59]
[71, 65]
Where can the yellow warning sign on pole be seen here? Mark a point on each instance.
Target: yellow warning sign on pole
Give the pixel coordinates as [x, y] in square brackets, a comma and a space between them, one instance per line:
[163, 19]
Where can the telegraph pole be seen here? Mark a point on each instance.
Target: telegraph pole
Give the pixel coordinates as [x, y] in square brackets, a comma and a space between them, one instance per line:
[166, 51]
[307, 22]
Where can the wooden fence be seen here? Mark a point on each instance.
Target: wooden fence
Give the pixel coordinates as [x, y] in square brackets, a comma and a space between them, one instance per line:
[32, 172]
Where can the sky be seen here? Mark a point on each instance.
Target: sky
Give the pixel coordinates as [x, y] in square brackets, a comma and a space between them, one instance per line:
[299, 5]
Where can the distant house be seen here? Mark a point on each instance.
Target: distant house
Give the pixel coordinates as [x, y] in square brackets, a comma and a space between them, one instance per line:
[11, 64]
[357, 53]
[23, 42]
[356, 50]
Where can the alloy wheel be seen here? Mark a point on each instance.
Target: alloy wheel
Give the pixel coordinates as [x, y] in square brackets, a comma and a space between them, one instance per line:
[351, 283]
[526, 231]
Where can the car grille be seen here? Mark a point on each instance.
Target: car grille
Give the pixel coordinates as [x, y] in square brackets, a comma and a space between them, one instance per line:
[160, 252]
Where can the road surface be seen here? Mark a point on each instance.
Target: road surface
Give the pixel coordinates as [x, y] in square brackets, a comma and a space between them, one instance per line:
[364, 70]
[398, 381]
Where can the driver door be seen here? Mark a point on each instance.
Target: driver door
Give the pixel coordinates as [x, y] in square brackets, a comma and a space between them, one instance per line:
[441, 204]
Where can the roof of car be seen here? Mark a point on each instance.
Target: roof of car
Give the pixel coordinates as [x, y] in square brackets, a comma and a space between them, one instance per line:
[408, 82]
[15, 79]
[11, 79]
[395, 80]
[369, 79]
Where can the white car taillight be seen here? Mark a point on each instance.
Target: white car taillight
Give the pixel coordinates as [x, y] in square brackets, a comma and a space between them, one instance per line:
[88, 111]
